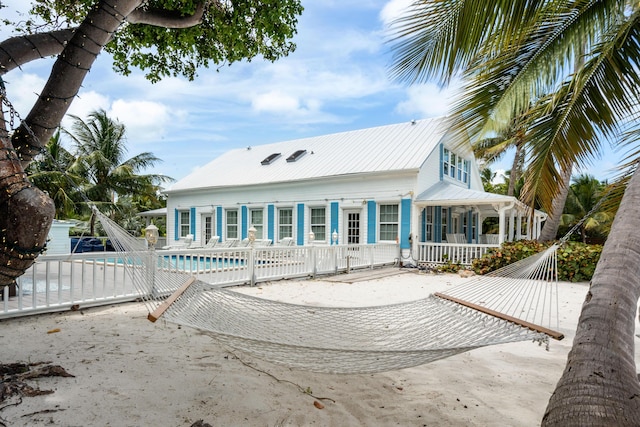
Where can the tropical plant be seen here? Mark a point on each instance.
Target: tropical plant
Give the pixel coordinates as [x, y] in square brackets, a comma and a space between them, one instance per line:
[162, 37]
[101, 161]
[583, 208]
[518, 58]
[51, 172]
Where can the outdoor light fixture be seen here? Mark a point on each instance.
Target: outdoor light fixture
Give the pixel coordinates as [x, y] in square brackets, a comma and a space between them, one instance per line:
[151, 235]
[252, 235]
[312, 236]
[334, 237]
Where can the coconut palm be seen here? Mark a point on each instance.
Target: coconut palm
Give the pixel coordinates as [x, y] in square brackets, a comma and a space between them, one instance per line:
[584, 198]
[51, 173]
[518, 58]
[100, 158]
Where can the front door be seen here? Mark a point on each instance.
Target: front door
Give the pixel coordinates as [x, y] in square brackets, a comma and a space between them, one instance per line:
[352, 225]
[207, 228]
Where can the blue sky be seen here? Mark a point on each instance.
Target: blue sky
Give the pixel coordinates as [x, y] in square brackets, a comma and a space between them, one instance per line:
[336, 80]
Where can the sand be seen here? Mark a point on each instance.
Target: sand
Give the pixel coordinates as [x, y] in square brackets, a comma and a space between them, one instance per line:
[131, 372]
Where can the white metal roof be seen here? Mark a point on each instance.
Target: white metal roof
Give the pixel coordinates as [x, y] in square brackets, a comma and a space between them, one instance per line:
[398, 147]
[447, 194]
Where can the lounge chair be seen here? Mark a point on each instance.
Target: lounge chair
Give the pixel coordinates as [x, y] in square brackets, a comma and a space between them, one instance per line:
[213, 241]
[184, 244]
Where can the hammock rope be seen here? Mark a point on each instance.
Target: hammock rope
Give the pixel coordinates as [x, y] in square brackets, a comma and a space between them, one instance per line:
[351, 339]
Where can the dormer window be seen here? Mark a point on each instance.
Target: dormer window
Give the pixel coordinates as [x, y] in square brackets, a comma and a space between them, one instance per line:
[272, 158]
[295, 156]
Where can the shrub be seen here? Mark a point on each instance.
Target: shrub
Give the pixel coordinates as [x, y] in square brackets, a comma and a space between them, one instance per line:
[576, 261]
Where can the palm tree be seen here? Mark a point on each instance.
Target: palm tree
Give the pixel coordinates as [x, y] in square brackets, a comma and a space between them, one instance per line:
[584, 198]
[100, 159]
[51, 173]
[518, 58]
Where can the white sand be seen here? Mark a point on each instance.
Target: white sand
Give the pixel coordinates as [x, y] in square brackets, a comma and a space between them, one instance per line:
[130, 372]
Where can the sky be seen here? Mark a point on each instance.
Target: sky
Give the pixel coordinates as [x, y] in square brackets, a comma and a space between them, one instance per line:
[337, 80]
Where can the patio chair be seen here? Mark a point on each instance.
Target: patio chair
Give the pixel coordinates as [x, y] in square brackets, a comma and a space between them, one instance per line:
[213, 241]
[185, 244]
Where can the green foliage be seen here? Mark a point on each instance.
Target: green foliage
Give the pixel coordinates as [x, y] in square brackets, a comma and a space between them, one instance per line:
[576, 261]
[230, 31]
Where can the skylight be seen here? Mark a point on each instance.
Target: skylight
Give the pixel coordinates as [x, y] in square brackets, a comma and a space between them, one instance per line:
[270, 159]
[295, 156]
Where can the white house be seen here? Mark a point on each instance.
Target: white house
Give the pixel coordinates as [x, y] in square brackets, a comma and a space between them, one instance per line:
[396, 183]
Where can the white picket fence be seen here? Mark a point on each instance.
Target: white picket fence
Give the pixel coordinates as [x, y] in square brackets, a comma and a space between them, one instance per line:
[80, 280]
[432, 254]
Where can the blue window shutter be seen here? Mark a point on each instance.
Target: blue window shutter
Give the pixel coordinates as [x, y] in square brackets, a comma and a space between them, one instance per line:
[219, 221]
[405, 222]
[423, 221]
[437, 224]
[192, 223]
[244, 221]
[300, 224]
[334, 221]
[271, 222]
[176, 232]
[470, 235]
[372, 220]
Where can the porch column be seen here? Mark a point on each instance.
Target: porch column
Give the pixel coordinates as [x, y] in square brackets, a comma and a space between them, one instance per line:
[512, 219]
[502, 221]
[519, 227]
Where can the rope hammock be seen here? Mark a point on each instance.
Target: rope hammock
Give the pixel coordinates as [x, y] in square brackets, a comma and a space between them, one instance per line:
[505, 306]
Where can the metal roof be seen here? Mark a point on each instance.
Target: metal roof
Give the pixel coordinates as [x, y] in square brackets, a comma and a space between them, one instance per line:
[447, 194]
[399, 147]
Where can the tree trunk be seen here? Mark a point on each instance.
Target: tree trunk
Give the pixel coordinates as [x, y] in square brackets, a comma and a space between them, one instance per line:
[551, 225]
[26, 213]
[599, 385]
[515, 167]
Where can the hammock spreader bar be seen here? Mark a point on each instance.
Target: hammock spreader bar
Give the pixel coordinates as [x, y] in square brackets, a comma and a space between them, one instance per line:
[155, 315]
[532, 326]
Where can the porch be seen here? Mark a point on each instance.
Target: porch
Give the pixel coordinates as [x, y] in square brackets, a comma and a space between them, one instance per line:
[457, 224]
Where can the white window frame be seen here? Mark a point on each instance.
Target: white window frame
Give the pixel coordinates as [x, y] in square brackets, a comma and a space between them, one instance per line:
[319, 228]
[228, 225]
[280, 225]
[184, 229]
[396, 223]
[259, 226]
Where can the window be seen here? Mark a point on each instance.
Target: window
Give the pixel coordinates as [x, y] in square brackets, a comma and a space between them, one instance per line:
[285, 223]
[388, 222]
[428, 223]
[185, 223]
[232, 224]
[454, 166]
[444, 228]
[256, 217]
[318, 223]
[445, 162]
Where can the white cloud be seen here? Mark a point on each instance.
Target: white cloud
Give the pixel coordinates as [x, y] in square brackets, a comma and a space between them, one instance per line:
[393, 10]
[23, 90]
[426, 100]
[86, 103]
[145, 121]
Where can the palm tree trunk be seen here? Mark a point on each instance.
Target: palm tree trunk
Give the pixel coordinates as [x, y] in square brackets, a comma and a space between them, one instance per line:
[551, 225]
[599, 385]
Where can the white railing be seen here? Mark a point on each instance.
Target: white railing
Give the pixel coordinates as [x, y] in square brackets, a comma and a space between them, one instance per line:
[457, 253]
[64, 282]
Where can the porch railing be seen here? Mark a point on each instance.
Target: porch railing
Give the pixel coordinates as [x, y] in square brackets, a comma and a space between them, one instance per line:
[80, 280]
[457, 253]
